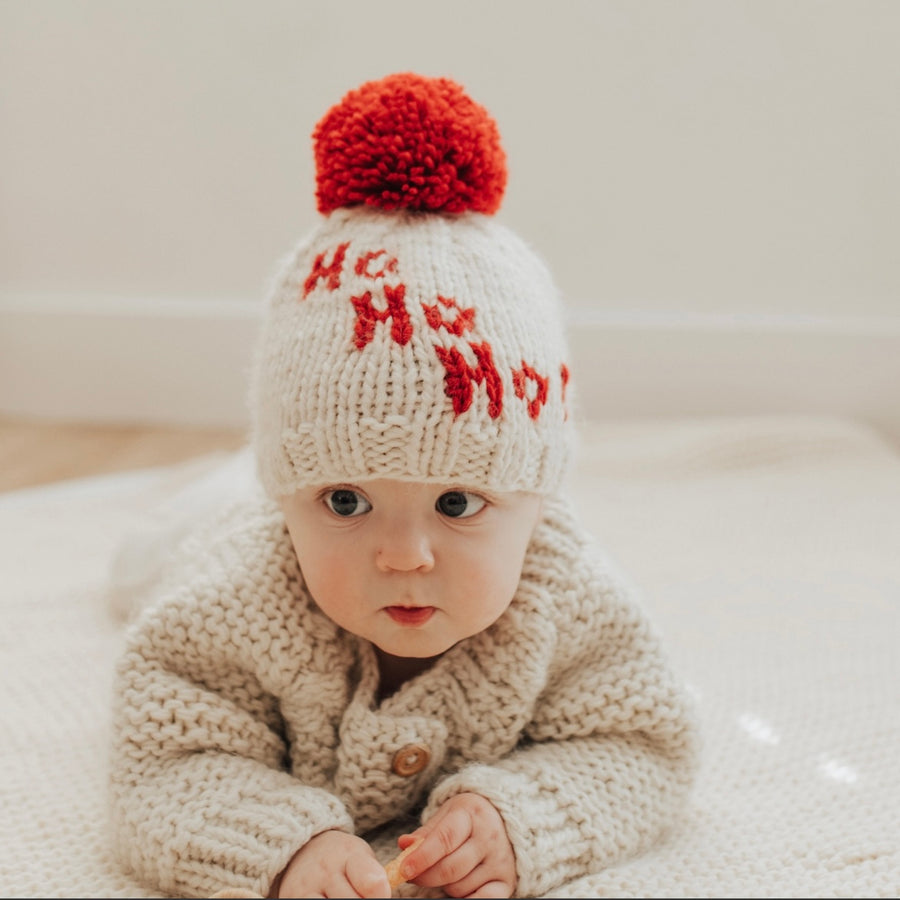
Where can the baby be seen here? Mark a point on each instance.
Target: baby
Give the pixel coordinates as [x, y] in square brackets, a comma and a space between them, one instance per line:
[408, 641]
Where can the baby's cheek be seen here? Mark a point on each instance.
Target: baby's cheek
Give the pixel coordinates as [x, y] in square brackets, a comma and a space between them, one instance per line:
[326, 579]
[502, 570]
[489, 590]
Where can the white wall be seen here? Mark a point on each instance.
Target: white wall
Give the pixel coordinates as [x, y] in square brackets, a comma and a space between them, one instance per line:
[705, 161]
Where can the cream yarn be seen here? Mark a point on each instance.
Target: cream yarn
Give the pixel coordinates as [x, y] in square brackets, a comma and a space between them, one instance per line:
[412, 346]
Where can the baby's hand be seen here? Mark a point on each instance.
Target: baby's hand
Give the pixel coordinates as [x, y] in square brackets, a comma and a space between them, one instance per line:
[334, 864]
[464, 851]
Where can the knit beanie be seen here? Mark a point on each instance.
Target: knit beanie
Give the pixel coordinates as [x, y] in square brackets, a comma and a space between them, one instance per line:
[411, 336]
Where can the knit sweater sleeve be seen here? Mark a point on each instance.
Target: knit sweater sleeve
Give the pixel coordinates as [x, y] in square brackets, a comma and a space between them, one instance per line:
[610, 752]
[200, 793]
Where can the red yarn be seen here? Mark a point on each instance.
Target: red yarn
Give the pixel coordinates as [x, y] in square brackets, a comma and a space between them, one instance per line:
[412, 142]
[459, 377]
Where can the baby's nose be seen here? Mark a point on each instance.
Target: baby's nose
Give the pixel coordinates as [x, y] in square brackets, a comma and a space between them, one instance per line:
[404, 550]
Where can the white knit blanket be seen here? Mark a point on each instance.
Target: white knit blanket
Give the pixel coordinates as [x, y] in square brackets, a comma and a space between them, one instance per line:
[768, 550]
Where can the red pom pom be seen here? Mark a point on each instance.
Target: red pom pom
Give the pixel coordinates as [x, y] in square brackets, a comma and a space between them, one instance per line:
[409, 142]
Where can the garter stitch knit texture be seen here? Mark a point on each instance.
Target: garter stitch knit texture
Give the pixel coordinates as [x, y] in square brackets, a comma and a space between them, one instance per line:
[247, 722]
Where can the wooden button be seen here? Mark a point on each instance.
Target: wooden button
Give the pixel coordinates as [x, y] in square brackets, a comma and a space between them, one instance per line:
[410, 760]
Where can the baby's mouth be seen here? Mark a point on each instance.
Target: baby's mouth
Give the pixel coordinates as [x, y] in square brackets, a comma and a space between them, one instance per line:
[410, 616]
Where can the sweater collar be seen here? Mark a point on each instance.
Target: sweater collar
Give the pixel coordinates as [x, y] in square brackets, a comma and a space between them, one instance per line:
[485, 687]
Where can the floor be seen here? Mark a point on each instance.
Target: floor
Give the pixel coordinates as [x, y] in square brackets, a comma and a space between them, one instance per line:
[38, 452]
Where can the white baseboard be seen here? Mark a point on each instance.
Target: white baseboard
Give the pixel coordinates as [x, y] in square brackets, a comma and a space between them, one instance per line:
[700, 365]
[137, 361]
[186, 362]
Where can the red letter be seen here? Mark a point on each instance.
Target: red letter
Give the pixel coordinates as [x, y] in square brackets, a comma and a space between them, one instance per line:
[464, 321]
[331, 272]
[460, 375]
[362, 264]
[564, 374]
[540, 397]
[367, 316]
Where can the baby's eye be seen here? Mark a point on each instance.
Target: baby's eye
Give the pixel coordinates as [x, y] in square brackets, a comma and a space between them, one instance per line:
[347, 503]
[460, 504]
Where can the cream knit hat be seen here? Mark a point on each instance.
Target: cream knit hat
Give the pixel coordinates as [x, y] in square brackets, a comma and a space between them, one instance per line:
[411, 336]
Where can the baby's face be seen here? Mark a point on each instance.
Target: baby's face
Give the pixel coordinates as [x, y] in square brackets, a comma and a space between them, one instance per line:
[413, 568]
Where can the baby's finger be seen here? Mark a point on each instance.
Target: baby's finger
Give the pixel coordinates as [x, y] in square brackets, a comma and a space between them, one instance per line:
[338, 885]
[416, 858]
[442, 835]
[366, 877]
[457, 867]
[393, 869]
[491, 889]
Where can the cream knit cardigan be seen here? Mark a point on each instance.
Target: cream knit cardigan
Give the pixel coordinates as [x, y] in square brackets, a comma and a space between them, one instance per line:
[246, 722]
